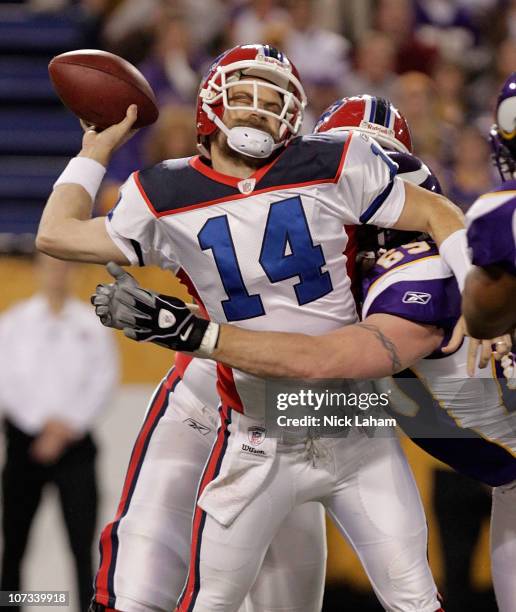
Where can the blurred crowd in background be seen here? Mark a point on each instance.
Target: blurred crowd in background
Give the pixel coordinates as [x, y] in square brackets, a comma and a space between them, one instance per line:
[440, 61]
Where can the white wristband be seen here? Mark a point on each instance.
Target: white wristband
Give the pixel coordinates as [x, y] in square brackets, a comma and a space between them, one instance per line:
[454, 251]
[85, 172]
[209, 341]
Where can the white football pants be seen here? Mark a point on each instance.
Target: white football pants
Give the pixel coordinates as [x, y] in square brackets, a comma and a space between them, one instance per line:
[145, 551]
[366, 486]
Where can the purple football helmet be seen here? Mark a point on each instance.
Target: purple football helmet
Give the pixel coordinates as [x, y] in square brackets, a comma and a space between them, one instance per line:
[503, 132]
[413, 170]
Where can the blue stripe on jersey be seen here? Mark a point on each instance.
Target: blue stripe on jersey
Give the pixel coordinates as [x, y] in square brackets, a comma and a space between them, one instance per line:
[376, 203]
[372, 113]
[174, 184]
[110, 213]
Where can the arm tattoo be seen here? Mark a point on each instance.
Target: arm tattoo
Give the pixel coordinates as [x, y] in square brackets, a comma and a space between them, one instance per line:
[387, 344]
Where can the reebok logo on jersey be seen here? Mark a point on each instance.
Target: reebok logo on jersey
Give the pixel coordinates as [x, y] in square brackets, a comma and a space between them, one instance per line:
[416, 297]
[166, 319]
[202, 429]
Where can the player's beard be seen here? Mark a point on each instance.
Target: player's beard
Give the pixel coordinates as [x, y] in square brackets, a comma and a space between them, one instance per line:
[244, 160]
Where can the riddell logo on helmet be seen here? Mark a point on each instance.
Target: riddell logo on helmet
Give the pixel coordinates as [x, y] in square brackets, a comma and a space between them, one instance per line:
[381, 129]
[272, 60]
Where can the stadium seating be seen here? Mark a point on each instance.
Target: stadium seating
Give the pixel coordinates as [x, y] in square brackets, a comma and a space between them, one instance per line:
[37, 134]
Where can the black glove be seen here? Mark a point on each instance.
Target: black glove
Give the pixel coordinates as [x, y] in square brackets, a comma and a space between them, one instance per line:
[147, 316]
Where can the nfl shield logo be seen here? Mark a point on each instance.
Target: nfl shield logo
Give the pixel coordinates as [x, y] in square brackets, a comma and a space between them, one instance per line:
[256, 435]
[246, 186]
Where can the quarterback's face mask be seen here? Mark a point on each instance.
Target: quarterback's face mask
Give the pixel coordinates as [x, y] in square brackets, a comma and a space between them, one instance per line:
[251, 80]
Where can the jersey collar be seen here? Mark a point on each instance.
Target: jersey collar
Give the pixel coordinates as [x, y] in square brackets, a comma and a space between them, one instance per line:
[232, 181]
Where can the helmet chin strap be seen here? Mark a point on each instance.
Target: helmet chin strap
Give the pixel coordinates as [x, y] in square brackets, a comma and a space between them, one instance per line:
[248, 141]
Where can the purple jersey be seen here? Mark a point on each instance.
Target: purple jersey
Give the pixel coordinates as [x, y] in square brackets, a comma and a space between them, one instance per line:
[492, 228]
[413, 282]
[468, 423]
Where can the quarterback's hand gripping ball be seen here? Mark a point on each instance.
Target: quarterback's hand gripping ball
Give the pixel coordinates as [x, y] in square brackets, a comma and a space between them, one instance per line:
[98, 87]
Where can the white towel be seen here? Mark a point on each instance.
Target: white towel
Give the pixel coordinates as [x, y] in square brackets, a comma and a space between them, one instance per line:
[247, 462]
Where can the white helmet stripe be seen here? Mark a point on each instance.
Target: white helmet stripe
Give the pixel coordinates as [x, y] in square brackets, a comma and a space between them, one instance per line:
[367, 108]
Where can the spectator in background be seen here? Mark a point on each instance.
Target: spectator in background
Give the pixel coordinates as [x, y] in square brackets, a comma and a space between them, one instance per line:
[172, 71]
[462, 508]
[448, 26]
[374, 67]
[471, 173]
[128, 24]
[171, 137]
[415, 95]
[207, 20]
[316, 52]
[58, 369]
[321, 93]
[172, 65]
[450, 79]
[509, 19]
[396, 19]
[483, 91]
[249, 23]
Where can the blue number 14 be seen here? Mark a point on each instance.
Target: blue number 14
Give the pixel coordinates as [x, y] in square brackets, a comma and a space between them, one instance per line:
[287, 251]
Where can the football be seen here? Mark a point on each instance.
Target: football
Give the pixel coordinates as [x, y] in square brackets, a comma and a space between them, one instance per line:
[98, 86]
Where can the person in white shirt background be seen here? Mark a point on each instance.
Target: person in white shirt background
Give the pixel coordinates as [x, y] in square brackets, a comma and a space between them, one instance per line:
[58, 369]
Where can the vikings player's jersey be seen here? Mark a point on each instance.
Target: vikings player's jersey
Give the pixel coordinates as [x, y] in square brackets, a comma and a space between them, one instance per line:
[265, 252]
[468, 423]
[491, 225]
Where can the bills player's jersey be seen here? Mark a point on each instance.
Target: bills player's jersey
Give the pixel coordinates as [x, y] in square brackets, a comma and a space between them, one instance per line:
[265, 252]
[468, 423]
[491, 225]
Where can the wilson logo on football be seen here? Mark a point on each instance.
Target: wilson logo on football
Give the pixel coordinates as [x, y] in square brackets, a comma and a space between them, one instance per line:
[416, 297]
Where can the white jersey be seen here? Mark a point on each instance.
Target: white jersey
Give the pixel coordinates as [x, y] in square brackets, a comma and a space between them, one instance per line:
[491, 225]
[264, 252]
[469, 423]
